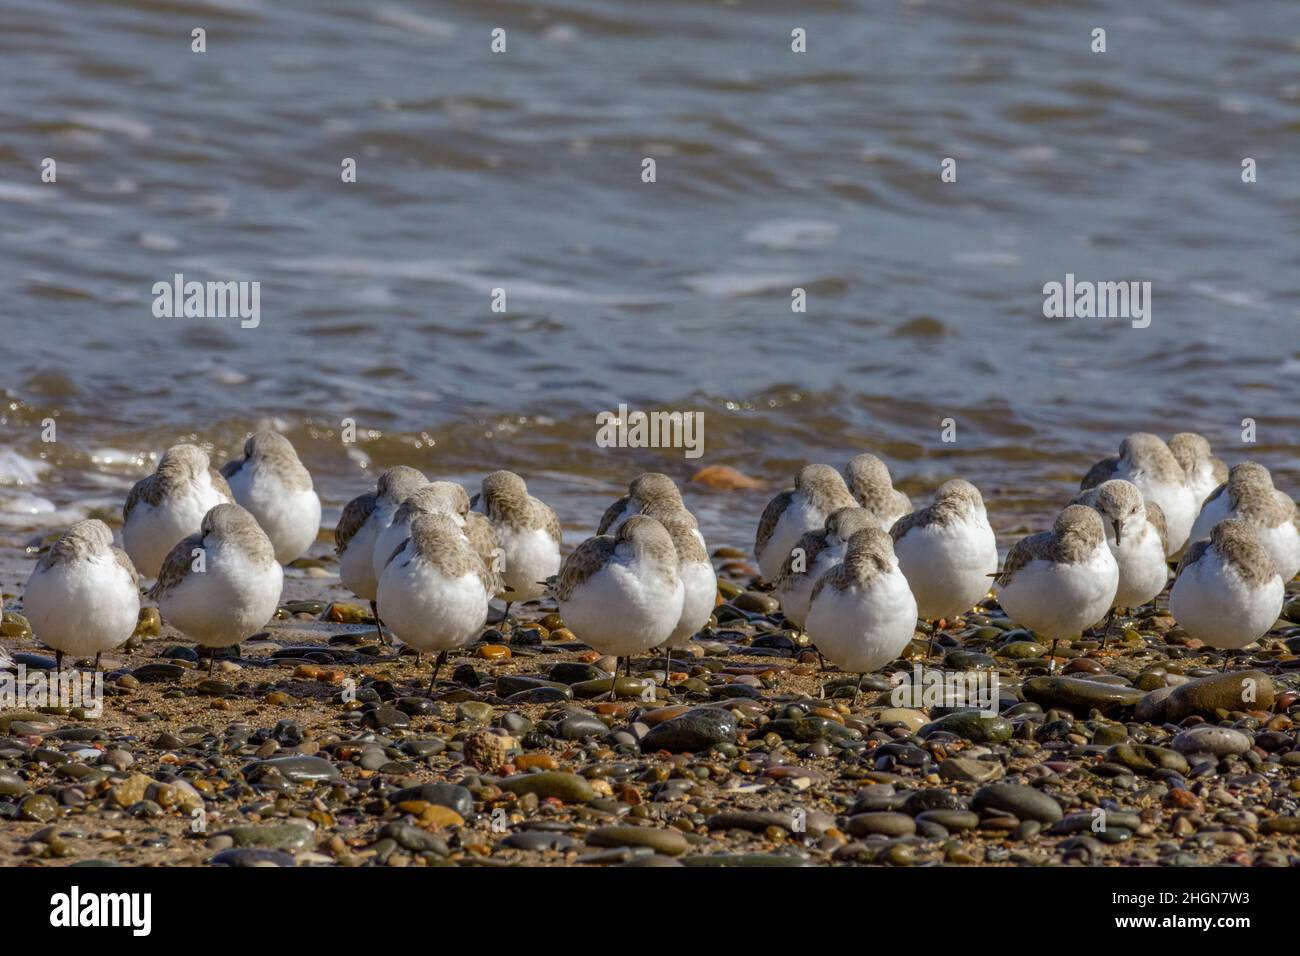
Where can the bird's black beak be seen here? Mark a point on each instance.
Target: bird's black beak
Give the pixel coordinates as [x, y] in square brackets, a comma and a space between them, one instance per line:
[1119, 527]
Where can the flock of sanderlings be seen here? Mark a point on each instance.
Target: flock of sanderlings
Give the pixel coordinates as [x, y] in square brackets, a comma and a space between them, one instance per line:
[851, 562]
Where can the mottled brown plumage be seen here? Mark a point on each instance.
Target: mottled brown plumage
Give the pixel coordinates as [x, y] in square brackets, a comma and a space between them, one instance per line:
[771, 515]
[872, 487]
[644, 491]
[86, 539]
[640, 537]
[1076, 534]
[870, 553]
[1251, 495]
[1238, 544]
[1190, 449]
[229, 523]
[435, 538]
[178, 466]
[953, 501]
[273, 452]
[841, 524]
[507, 502]
[355, 514]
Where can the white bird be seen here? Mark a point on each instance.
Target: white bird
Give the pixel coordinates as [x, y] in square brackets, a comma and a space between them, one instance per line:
[818, 490]
[528, 533]
[1249, 495]
[1227, 593]
[436, 498]
[643, 491]
[1058, 583]
[947, 552]
[223, 584]
[862, 613]
[434, 590]
[871, 486]
[169, 505]
[699, 581]
[621, 594]
[83, 597]
[271, 483]
[1146, 461]
[1204, 471]
[363, 520]
[1135, 534]
[812, 556]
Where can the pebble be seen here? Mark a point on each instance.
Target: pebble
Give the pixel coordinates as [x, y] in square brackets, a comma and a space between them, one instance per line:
[969, 770]
[1219, 741]
[1024, 803]
[666, 842]
[694, 731]
[299, 769]
[1080, 696]
[276, 836]
[1233, 691]
[449, 795]
[567, 787]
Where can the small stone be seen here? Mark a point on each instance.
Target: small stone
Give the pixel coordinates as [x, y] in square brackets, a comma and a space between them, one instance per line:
[131, 790]
[884, 823]
[969, 770]
[567, 787]
[487, 751]
[1080, 696]
[692, 732]
[1237, 690]
[276, 836]
[38, 807]
[1024, 803]
[299, 768]
[667, 842]
[148, 623]
[1208, 739]
[13, 624]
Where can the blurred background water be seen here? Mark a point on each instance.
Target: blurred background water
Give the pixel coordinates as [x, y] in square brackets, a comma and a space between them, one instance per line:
[522, 171]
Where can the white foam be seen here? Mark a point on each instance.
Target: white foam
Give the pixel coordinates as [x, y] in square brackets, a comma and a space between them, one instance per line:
[792, 233]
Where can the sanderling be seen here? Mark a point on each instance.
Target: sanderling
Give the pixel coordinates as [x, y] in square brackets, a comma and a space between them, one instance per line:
[1227, 592]
[813, 555]
[222, 584]
[434, 589]
[1249, 495]
[169, 505]
[818, 490]
[364, 518]
[1135, 532]
[1147, 462]
[273, 486]
[644, 490]
[871, 486]
[699, 581]
[436, 498]
[621, 594]
[84, 597]
[528, 534]
[947, 552]
[1058, 583]
[1204, 471]
[862, 614]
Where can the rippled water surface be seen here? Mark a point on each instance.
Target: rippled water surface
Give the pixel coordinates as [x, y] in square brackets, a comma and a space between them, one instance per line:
[522, 171]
